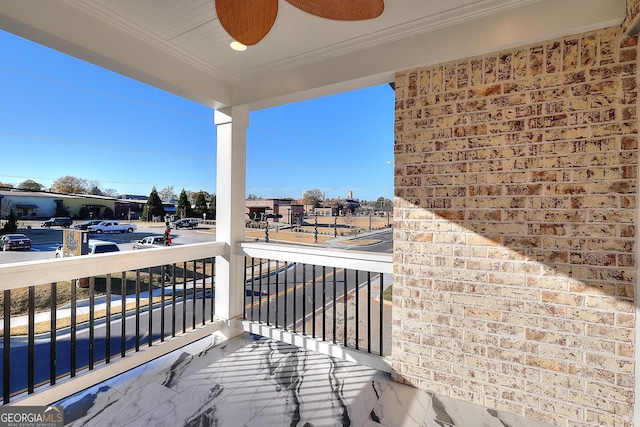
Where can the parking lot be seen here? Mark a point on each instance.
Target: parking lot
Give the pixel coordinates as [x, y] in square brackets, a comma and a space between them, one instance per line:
[46, 240]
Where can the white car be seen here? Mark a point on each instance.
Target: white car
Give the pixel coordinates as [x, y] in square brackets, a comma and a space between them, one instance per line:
[95, 247]
[150, 242]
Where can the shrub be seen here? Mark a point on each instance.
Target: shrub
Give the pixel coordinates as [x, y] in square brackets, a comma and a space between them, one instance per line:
[108, 213]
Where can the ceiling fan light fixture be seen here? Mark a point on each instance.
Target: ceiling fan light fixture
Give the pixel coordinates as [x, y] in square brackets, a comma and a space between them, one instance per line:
[237, 46]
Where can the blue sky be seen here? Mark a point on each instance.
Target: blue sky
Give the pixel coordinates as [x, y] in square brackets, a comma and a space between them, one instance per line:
[62, 116]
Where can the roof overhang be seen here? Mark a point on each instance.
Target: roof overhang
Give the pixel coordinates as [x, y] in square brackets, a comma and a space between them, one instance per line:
[410, 33]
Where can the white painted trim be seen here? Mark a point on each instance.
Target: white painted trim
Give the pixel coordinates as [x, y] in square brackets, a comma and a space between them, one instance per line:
[319, 346]
[355, 260]
[231, 169]
[22, 274]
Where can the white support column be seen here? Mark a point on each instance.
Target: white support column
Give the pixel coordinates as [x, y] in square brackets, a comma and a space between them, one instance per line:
[230, 204]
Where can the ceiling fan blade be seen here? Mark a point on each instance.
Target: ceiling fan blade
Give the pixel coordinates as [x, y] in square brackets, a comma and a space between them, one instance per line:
[342, 10]
[247, 21]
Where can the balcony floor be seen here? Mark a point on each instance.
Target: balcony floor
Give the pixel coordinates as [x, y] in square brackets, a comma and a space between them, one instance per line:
[254, 381]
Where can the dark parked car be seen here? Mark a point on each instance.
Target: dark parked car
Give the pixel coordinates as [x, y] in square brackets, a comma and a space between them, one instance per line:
[185, 223]
[60, 221]
[86, 224]
[11, 242]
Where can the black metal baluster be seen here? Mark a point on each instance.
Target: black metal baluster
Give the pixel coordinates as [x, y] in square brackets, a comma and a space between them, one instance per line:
[31, 357]
[381, 311]
[163, 275]
[268, 291]
[253, 289]
[335, 307]
[260, 286]
[193, 298]
[53, 342]
[313, 301]
[284, 297]
[277, 294]
[150, 304]
[368, 312]
[184, 297]
[107, 332]
[123, 314]
[137, 310]
[73, 348]
[344, 307]
[295, 299]
[357, 315]
[324, 303]
[6, 348]
[304, 299]
[92, 301]
[173, 301]
[204, 289]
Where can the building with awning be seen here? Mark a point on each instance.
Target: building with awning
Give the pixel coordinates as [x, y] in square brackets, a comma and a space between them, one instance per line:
[26, 210]
[41, 204]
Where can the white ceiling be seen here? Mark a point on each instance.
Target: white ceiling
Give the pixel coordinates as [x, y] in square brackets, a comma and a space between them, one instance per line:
[179, 45]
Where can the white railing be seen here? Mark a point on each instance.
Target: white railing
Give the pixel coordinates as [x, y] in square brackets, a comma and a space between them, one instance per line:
[349, 321]
[339, 258]
[26, 274]
[42, 272]
[23, 274]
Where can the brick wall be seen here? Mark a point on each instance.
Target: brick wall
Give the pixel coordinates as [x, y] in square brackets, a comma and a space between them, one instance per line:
[633, 16]
[515, 229]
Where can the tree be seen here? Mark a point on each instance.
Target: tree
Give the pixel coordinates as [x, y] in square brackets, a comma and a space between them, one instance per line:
[184, 206]
[5, 185]
[6, 207]
[96, 191]
[69, 185]
[11, 226]
[30, 185]
[313, 197]
[201, 204]
[252, 197]
[211, 214]
[167, 194]
[110, 192]
[153, 207]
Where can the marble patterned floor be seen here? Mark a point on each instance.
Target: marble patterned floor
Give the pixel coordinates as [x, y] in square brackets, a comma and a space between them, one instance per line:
[253, 381]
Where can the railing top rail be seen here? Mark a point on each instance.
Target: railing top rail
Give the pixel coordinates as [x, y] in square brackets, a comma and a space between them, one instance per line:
[329, 257]
[22, 274]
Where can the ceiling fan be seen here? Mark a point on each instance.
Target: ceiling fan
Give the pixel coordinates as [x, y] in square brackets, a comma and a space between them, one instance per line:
[248, 21]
